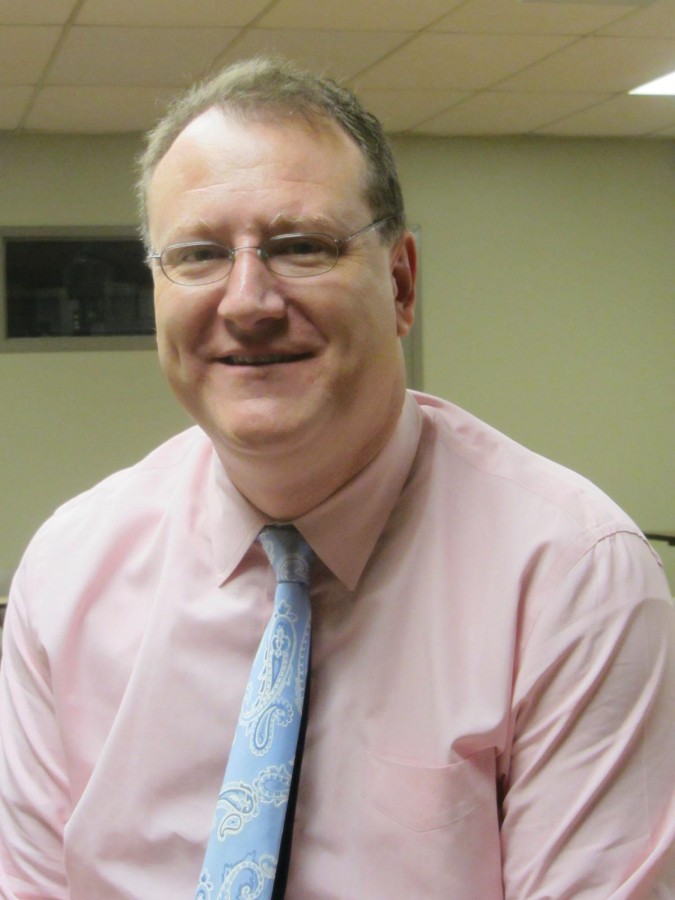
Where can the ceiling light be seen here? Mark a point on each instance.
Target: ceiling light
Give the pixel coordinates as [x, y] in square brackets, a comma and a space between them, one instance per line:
[595, 2]
[664, 86]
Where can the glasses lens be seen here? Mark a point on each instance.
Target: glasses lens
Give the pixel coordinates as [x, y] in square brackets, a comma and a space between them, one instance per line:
[197, 263]
[300, 255]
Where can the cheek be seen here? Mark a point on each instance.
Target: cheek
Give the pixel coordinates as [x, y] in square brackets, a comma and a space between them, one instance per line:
[163, 306]
[178, 321]
[368, 347]
[376, 319]
[166, 345]
[175, 334]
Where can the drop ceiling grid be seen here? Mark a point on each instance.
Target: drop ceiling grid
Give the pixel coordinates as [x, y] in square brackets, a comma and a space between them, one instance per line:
[445, 67]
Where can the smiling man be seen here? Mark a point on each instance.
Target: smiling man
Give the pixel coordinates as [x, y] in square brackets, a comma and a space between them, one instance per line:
[280, 368]
[492, 647]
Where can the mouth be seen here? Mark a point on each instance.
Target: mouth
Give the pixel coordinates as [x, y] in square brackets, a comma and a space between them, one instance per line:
[271, 359]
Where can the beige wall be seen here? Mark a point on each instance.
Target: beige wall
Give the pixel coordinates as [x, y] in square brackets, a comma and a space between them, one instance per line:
[548, 310]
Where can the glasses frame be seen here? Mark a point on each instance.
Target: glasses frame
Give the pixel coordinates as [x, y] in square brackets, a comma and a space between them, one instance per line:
[260, 249]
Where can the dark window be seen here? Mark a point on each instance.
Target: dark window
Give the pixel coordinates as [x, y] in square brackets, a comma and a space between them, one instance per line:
[72, 287]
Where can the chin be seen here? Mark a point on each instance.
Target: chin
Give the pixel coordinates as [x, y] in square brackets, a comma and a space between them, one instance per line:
[260, 430]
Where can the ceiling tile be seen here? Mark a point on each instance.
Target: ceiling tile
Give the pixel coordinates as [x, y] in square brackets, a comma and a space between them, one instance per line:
[97, 109]
[490, 113]
[137, 56]
[394, 15]
[341, 54]
[35, 12]
[458, 62]
[417, 63]
[498, 17]
[625, 115]
[25, 51]
[13, 103]
[604, 64]
[402, 110]
[657, 21]
[196, 13]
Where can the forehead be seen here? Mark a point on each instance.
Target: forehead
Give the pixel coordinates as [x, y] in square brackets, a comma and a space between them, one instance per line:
[225, 158]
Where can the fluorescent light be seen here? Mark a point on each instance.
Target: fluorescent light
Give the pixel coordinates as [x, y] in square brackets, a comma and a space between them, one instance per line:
[595, 2]
[664, 86]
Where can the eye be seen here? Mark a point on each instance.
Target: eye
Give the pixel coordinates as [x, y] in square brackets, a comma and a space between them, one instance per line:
[187, 255]
[300, 246]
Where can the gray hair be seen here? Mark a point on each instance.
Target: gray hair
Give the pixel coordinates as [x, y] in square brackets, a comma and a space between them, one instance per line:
[270, 88]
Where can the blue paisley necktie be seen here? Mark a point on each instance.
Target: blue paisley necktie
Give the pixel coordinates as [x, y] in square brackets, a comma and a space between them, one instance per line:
[243, 853]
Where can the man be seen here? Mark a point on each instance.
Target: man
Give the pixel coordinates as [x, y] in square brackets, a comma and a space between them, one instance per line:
[492, 677]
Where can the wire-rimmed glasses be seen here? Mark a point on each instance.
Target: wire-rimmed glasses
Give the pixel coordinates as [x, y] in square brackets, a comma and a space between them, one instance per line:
[297, 255]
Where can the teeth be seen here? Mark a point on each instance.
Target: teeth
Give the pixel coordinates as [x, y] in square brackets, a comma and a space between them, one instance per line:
[258, 360]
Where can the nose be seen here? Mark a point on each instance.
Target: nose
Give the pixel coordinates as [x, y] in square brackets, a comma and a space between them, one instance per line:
[251, 293]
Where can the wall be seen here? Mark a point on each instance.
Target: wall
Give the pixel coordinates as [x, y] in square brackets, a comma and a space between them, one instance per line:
[548, 310]
[548, 294]
[69, 419]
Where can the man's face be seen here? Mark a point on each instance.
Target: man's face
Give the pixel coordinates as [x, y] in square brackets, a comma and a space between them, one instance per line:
[270, 365]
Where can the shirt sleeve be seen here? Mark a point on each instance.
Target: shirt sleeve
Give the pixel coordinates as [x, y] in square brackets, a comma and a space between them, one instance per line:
[588, 805]
[33, 786]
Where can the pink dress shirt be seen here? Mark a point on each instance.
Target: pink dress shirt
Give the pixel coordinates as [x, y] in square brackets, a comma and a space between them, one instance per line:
[493, 681]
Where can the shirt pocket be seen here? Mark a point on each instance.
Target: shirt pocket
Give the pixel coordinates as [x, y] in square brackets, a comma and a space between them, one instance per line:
[424, 798]
[430, 831]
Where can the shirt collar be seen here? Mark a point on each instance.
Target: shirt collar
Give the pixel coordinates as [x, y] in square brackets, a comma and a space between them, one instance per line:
[234, 522]
[344, 529]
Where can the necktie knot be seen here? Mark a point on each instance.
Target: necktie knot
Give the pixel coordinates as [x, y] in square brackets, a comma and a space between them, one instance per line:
[288, 552]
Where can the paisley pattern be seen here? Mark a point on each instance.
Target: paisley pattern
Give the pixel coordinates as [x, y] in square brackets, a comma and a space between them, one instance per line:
[265, 705]
[242, 853]
[247, 880]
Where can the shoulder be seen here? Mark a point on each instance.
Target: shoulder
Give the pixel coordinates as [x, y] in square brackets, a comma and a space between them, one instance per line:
[525, 527]
[500, 478]
[143, 491]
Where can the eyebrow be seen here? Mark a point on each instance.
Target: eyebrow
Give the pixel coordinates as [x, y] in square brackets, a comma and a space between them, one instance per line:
[194, 231]
[282, 222]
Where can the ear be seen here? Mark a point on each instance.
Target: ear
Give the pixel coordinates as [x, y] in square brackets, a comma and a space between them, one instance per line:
[404, 273]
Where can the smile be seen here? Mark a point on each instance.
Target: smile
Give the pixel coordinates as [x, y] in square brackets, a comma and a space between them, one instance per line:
[272, 359]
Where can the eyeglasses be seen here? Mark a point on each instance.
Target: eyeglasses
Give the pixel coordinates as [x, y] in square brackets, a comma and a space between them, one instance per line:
[295, 255]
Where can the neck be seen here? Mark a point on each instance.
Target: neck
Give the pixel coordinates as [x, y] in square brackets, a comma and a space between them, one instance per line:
[284, 489]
